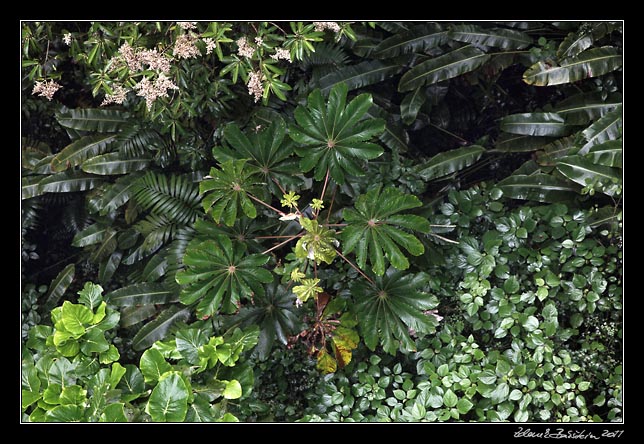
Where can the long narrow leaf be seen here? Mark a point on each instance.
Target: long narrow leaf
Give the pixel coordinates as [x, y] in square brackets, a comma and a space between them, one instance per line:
[417, 39]
[539, 187]
[59, 285]
[114, 163]
[99, 120]
[496, 37]
[30, 186]
[583, 108]
[82, 149]
[411, 104]
[141, 294]
[451, 161]
[535, 124]
[607, 128]
[447, 66]
[607, 153]
[69, 181]
[156, 330]
[360, 75]
[584, 172]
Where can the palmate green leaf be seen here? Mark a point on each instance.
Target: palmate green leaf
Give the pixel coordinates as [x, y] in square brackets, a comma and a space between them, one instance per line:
[87, 119]
[607, 153]
[583, 108]
[535, 124]
[157, 329]
[389, 307]
[593, 62]
[495, 37]
[59, 285]
[267, 151]
[114, 163]
[226, 191]
[79, 151]
[418, 38]
[142, 294]
[411, 104]
[175, 198]
[335, 137]
[374, 229]
[609, 127]
[219, 274]
[169, 399]
[450, 162]
[69, 182]
[539, 187]
[360, 75]
[584, 172]
[275, 314]
[444, 67]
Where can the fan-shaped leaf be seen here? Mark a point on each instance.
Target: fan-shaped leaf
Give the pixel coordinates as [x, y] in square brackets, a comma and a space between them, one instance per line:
[390, 307]
[539, 187]
[444, 67]
[360, 75]
[590, 63]
[417, 39]
[607, 128]
[176, 198]
[69, 181]
[87, 119]
[59, 285]
[157, 329]
[496, 37]
[450, 162]
[82, 149]
[607, 153]
[141, 294]
[583, 108]
[535, 124]
[114, 163]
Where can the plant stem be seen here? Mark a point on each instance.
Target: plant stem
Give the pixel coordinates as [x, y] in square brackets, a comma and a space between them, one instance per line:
[335, 188]
[266, 205]
[326, 181]
[355, 268]
[279, 237]
[444, 238]
[448, 132]
[281, 243]
[335, 225]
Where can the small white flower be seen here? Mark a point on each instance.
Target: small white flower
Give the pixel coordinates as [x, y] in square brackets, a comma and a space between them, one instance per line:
[46, 88]
[187, 25]
[67, 39]
[290, 216]
[321, 26]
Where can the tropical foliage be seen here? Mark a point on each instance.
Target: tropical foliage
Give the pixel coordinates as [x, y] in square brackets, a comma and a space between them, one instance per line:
[428, 212]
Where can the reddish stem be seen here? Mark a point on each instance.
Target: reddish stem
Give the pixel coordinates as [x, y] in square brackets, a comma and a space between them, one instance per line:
[281, 244]
[281, 213]
[356, 268]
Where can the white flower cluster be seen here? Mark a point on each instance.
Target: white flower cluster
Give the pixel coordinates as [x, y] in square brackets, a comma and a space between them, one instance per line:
[135, 58]
[67, 39]
[243, 48]
[281, 53]
[187, 25]
[321, 26]
[46, 88]
[153, 90]
[255, 86]
[118, 95]
[210, 45]
[185, 48]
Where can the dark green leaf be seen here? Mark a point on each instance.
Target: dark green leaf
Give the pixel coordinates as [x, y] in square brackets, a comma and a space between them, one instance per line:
[87, 119]
[119, 193]
[69, 181]
[583, 108]
[584, 172]
[156, 330]
[360, 75]
[450, 162]
[535, 124]
[79, 151]
[114, 163]
[175, 198]
[539, 187]
[411, 104]
[419, 39]
[141, 294]
[609, 127]
[30, 186]
[607, 153]
[59, 285]
[496, 37]
[91, 235]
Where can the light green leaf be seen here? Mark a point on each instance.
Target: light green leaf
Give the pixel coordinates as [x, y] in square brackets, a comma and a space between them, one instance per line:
[233, 390]
[450, 399]
[75, 318]
[169, 399]
[153, 365]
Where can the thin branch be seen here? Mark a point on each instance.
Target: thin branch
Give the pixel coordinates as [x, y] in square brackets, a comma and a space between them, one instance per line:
[281, 244]
[281, 213]
[335, 225]
[326, 181]
[279, 186]
[448, 132]
[335, 188]
[355, 268]
[279, 237]
[442, 226]
[444, 238]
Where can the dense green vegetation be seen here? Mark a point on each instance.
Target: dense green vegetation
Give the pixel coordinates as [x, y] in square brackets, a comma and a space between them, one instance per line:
[321, 221]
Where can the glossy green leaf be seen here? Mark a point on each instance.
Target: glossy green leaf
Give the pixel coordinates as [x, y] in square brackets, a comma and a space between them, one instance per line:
[132, 384]
[535, 124]
[153, 365]
[518, 143]
[360, 75]
[495, 37]
[30, 186]
[142, 294]
[219, 274]
[389, 307]
[76, 318]
[574, 44]
[65, 413]
[583, 172]
[449, 162]
[539, 187]
[114, 163]
[69, 181]
[609, 127]
[94, 342]
[419, 38]
[175, 198]
[583, 108]
[88, 119]
[158, 328]
[233, 390]
[450, 399]
[411, 104]
[91, 296]
[59, 285]
[464, 405]
[79, 151]
[593, 62]
[91, 235]
[375, 229]
[119, 193]
[453, 64]
[169, 399]
[608, 154]
[114, 412]
[552, 152]
[334, 137]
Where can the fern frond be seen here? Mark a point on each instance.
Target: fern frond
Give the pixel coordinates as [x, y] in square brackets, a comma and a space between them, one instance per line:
[135, 141]
[175, 197]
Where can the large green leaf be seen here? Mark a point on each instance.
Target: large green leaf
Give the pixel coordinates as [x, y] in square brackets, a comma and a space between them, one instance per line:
[360, 75]
[583, 108]
[584, 172]
[141, 294]
[607, 153]
[276, 316]
[607, 128]
[590, 63]
[226, 191]
[394, 137]
[390, 307]
[419, 39]
[175, 198]
[535, 124]
[444, 67]
[374, 229]
[563, 147]
[219, 274]
[411, 104]
[539, 187]
[496, 37]
[68, 182]
[119, 193]
[88, 119]
[133, 315]
[91, 235]
[169, 399]
[267, 151]
[31, 187]
[153, 365]
[519, 143]
[333, 137]
[79, 151]
[156, 330]
[114, 163]
[59, 285]
[450, 162]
